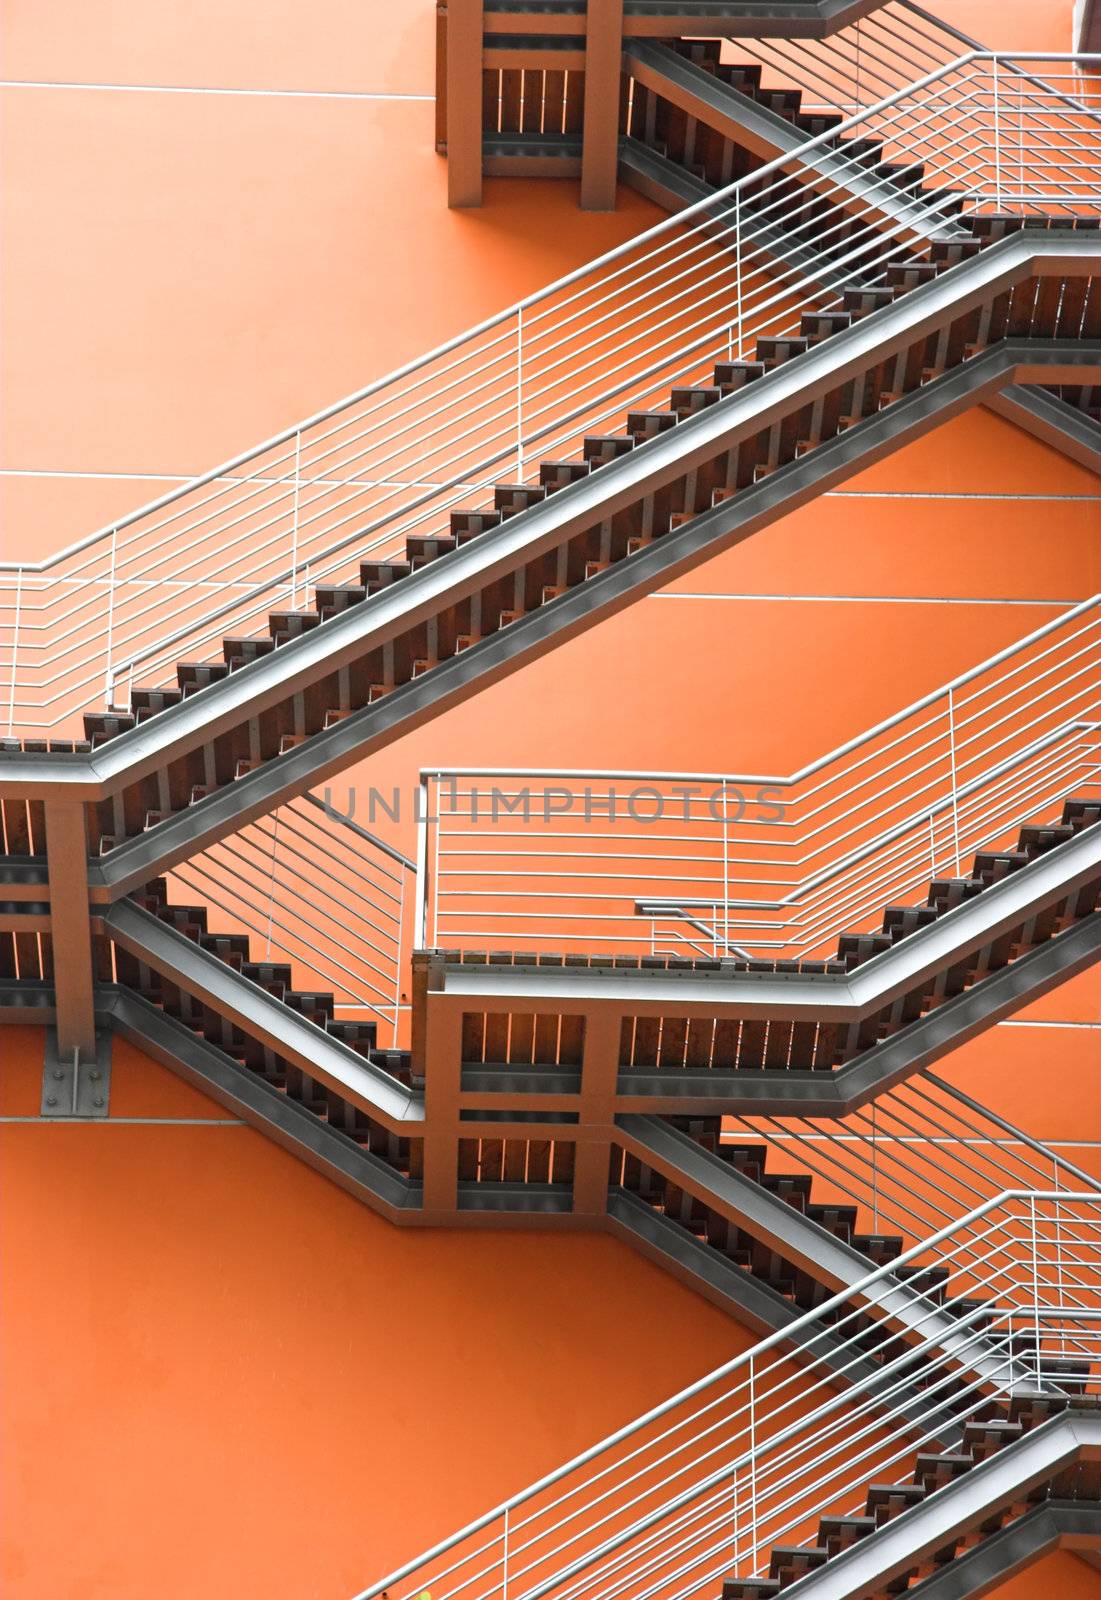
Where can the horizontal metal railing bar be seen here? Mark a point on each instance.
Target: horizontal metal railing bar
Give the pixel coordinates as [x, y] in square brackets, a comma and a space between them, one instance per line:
[737, 1363]
[553, 844]
[364, 834]
[295, 910]
[666, 225]
[916, 820]
[356, 862]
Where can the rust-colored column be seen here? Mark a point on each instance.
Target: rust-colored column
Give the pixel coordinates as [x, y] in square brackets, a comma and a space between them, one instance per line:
[70, 928]
[600, 147]
[599, 1071]
[464, 102]
[443, 1076]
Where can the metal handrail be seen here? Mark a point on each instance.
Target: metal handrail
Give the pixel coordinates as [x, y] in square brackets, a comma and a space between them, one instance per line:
[764, 862]
[345, 483]
[717, 1432]
[858, 741]
[324, 895]
[907, 1158]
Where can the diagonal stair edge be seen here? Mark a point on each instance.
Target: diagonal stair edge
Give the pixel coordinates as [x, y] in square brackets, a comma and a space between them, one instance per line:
[846, 996]
[925, 1528]
[254, 687]
[330, 750]
[264, 1017]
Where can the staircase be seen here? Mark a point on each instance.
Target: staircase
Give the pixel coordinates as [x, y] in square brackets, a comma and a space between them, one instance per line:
[914, 300]
[729, 464]
[275, 979]
[827, 301]
[997, 1428]
[845, 1456]
[693, 124]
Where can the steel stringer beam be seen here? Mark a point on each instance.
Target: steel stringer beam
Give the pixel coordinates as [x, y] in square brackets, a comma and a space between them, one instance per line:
[960, 1507]
[261, 1015]
[134, 863]
[307, 660]
[822, 997]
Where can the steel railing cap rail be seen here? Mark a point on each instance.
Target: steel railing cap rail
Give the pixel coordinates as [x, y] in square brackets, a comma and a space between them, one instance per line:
[456, 573]
[957, 933]
[878, 841]
[1092, 602]
[676, 221]
[1031, 1197]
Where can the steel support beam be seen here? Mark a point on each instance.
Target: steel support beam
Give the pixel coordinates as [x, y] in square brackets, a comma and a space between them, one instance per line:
[820, 997]
[464, 102]
[868, 1567]
[274, 1114]
[384, 616]
[70, 927]
[599, 1067]
[1051, 420]
[708, 1092]
[599, 149]
[798, 1239]
[1055, 1525]
[795, 19]
[263, 1017]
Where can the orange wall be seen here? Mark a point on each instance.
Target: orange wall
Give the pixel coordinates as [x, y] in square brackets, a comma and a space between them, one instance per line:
[239, 1381]
[222, 1376]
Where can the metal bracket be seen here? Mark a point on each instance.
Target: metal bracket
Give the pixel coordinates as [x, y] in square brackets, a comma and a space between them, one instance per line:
[75, 1085]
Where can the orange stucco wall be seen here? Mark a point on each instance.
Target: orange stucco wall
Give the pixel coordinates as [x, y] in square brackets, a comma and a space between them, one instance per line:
[239, 1381]
[220, 1375]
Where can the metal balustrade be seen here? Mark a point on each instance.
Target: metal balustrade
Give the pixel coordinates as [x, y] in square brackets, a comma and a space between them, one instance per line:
[765, 864]
[701, 1487]
[911, 1159]
[863, 63]
[80, 629]
[314, 888]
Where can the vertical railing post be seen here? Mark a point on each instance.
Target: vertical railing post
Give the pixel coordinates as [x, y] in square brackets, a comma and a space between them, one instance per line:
[504, 1562]
[1020, 142]
[271, 881]
[736, 1551]
[1035, 1289]
[420, 909]
[955, 786]
[726, 878]
[294, 519]
[399, 954]
[15, 648]
[108, 667]
[875, 1171]
[752, 1465]
[519, 394]
[1060, 1280]
[738, 266]
[997, 139]
[436, 823]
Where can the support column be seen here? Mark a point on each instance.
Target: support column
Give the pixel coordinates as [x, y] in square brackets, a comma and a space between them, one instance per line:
[70, 928]
[442, 1088]
[464, 102]
[600, 147]
[599, 1072]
